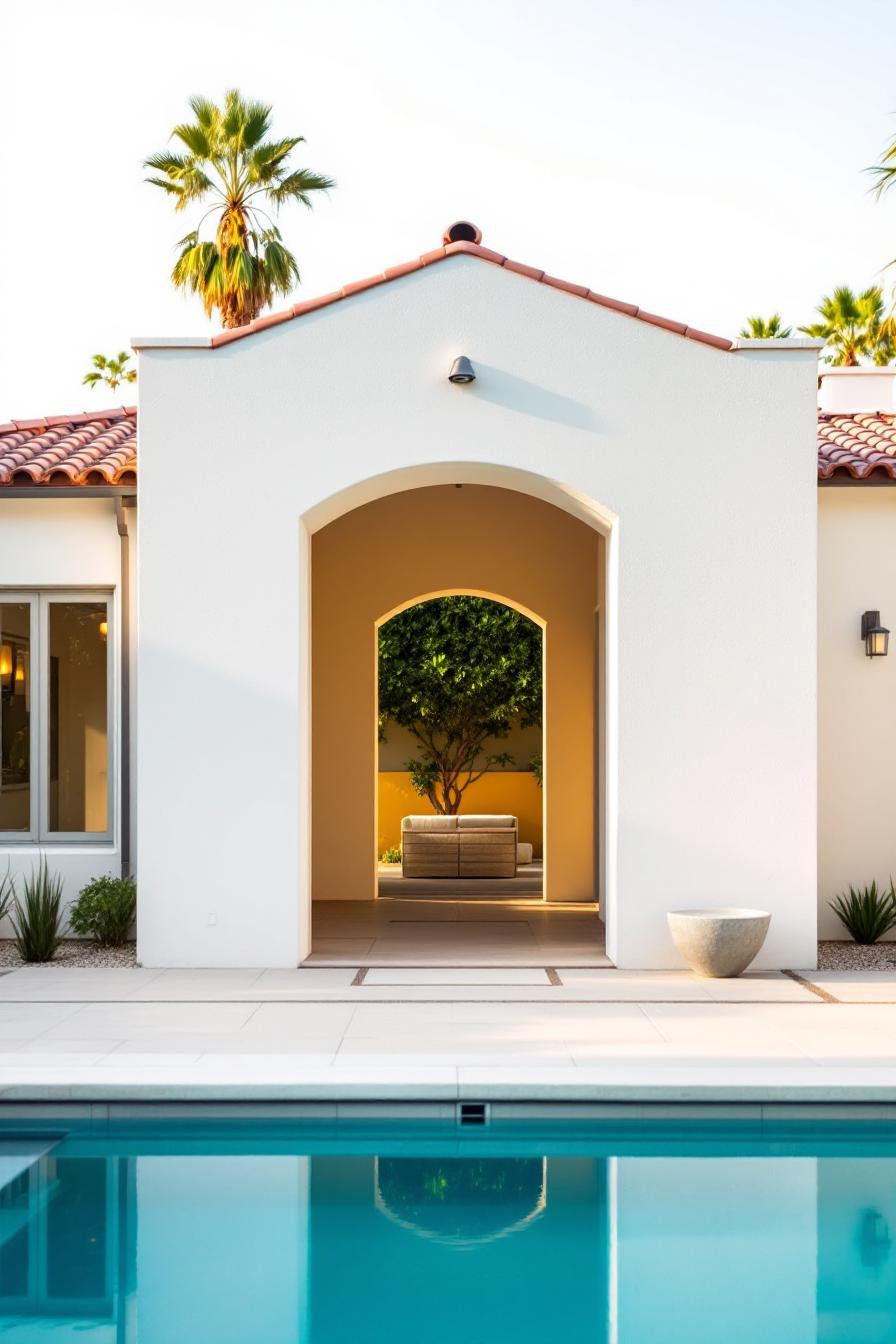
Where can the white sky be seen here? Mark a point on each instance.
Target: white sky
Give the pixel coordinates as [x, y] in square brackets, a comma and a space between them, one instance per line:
[701, 158]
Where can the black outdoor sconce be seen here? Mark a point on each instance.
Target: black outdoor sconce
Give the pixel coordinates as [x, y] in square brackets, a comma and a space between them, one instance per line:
[875, 635]
[462, 371]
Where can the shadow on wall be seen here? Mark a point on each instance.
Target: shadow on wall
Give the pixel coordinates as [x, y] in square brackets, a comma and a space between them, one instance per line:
[526, 398]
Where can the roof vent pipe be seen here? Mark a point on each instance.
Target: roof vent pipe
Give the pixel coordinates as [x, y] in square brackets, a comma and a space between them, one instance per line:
[462, 231]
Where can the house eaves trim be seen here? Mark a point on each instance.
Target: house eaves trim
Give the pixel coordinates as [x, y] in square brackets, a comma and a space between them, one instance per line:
[429, 259]
[778, 343]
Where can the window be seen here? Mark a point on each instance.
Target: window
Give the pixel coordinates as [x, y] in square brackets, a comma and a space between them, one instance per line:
[55, 745]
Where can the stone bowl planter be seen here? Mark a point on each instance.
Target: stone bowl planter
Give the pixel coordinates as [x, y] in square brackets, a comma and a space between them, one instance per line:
[718, 943]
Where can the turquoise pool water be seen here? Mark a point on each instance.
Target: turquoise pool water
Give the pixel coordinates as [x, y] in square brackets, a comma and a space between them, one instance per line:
[305, 1232]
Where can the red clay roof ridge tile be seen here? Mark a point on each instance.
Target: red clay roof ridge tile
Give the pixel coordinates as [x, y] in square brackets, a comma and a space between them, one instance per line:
[452, 249]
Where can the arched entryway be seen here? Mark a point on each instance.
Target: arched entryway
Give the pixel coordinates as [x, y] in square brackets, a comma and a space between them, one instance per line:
[470, 536]
[437, 752]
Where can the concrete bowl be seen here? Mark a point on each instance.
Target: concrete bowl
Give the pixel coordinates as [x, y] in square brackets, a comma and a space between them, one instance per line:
[718, 943]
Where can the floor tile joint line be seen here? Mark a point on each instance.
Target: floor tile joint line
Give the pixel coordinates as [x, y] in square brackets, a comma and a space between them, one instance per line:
[812, 988]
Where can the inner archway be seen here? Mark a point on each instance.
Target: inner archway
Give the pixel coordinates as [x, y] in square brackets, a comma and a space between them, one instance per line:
[460, 728]
[378, 559]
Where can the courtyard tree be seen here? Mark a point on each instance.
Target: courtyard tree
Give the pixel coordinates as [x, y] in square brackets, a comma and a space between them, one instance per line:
[458, 672]
[227, 163]
[765, 329]
[854, 327]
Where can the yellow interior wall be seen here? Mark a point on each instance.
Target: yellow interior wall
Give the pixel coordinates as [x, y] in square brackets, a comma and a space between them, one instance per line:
[509, 791]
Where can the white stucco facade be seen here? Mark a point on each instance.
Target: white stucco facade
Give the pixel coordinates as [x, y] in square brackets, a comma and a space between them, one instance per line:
[696, 464]
[857, 694]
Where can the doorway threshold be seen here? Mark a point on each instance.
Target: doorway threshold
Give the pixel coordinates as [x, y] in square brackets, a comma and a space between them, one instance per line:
[477, 934]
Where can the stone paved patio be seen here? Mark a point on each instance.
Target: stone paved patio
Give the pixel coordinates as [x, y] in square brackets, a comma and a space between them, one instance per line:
[441, 1034]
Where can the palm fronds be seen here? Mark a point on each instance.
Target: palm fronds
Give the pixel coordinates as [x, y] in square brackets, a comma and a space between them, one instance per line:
[228, 159]
[765, 329]
[854, 326]
[110, 372]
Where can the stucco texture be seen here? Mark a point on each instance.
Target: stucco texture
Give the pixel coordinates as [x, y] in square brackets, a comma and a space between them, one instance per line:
[420, 543]
[856, 695]
[698, 467]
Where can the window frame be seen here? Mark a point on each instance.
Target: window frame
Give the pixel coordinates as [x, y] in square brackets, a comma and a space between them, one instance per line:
[40, 600]
[29, 837]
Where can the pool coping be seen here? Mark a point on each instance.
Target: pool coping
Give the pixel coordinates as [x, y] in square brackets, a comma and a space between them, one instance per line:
[376, 1086]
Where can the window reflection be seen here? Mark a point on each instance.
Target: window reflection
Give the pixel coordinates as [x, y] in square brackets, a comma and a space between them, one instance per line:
[58, 1245]
[78, 730]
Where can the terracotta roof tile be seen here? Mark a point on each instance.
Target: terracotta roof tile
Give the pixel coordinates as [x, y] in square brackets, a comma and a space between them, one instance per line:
[860, 447]
[93, 448]
[470, 249]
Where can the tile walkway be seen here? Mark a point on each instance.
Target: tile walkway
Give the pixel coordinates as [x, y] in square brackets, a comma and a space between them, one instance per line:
[440, 1034]
[441, 931]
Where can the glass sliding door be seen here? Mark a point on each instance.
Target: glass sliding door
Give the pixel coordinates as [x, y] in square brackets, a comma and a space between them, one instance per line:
[17, 789]
[77, 742]
[56, 699]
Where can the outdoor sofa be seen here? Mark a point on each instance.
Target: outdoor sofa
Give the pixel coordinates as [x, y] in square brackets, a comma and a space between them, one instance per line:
[465, 846]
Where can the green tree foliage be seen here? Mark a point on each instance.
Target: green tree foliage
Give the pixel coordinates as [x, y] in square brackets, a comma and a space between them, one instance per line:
[110, 372]
[455, 672]
[765, 329]
[228, 163]
[854, 326]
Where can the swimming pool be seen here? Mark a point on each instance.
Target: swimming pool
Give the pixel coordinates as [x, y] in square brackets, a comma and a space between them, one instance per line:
[147, 1228]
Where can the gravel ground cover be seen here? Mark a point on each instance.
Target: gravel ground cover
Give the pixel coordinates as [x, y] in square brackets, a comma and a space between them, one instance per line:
[850, 956]
[74, 952]
[832, 956]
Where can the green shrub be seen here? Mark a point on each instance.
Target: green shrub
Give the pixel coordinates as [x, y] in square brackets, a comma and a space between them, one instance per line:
[391, 855]
[105, 910]
[867, 913]
[37, 920]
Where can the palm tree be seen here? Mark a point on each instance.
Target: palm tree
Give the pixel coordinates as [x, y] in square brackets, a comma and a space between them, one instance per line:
[110, 371]
[854, 327]
[765, 329]
[885, 171]
[229, 163]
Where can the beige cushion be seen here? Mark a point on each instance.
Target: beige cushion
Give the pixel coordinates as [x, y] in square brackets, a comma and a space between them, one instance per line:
[429, 823]
[487, 823]
[524, 852]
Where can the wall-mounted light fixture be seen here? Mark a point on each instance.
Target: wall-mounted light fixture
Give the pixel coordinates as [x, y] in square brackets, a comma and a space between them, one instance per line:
[462, 371]
[875, 635]
[6, 664]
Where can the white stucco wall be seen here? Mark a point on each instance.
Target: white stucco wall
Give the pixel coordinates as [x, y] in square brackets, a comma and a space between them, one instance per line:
[56, 544]
[857, 694]
[700, 463]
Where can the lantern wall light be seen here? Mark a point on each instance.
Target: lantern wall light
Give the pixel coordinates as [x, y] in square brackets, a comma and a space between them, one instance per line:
[875, 635]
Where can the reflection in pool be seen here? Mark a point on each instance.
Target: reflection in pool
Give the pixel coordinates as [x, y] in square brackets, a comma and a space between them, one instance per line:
[191, 1233]
[462, 1201]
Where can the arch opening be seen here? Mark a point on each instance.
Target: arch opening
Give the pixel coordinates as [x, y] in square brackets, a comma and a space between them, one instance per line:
[399, 541]
[460, 732]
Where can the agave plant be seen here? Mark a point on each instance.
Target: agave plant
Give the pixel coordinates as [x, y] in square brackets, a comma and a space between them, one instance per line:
[37, 919]
[7, 893]
[866, 912]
